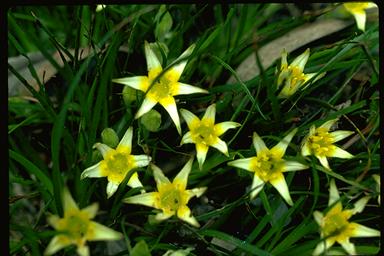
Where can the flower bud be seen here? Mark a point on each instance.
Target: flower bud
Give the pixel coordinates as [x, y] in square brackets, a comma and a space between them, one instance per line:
[109, 137]
[151, 120]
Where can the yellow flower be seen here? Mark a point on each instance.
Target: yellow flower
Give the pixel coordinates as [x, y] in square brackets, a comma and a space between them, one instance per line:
[319, 142]
[268, 166]
[170, 198]
[165, 87]
[291, 76]
[335, 227]
[117, 163]
[76, 227]
[205, 133]
[358, 11]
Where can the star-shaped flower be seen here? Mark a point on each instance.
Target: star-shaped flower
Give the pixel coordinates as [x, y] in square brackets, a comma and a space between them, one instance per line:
[268, 166]
[291, 76]
[76, 227]
[319, 142]
[161, 88]
[358, 11]
[205, 133]
[335, 227]
[117, 163]
[170, 198]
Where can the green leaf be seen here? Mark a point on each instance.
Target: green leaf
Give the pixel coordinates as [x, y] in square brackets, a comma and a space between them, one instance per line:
[140, 249]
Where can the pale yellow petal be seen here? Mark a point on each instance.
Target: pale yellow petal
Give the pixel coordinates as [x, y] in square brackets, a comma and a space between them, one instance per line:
[147, 199]
[134, 181]
[101, 232]
[210, 113]
[126, 141]
[163, 216]
[103, 149]
[141, 160]
[318, 216]
[322, 247]
[339, 135]
[185, 214]
[333, 193]
[183, 89]
[281, 147]
[257, 186]
[179, 64]
[182, 177]
[363, 231]
[281, 186]
[221, 128]
[159, 176]
[57, 243]
[360, 204]
[201, 150]
[327, 125]
[324, 162]
[147, 105]
[187, 138]
[92, 172]
[190, 118]
[348, 246]
[195, 192]
[170, 106]
[244, 163]
[83, 250]
[340, 153]
[53, 220]
[301, 60]
[111, 188]
[91, 210]
[136, 82]
[293, 166]
[221, 146]
[258, 143]
[152, 60]
[68, 203]
[360, 18]
[305, 149]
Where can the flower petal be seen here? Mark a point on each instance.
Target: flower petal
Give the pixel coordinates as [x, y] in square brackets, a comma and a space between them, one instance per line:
[91, 210]
[190, 118]
[57, 243]
[363, 231]
[187, 138]
[244, 163]
[281, 147]
[258, 143]
[360, 18]
[257, 186]
[170, 106]
[327, 125]
[323, 246]
[134, 181]
[339, 135]
[147, 105]
[293, 166]
[83, 250]
[305, 149]
[111, 188]
[159, 176]
[318, 216]
[126, 141]
[92, 172]
[185, 214]
[301, 60]
[360, 205]
[340, 153]
[210, 113]
[163, 215]
[136, 82]
[147, 199]
[68, 203]
[53, 220]
[324, 162]
[221, 146]
[183, 89]
[333, 193]
[195, 192]
[152, 60]
[221, 128]
[201, 150]
[348, 246]
[179, 64]
[103, 149]
[282, 187]
[101, 232]
[182, 177]
[141, 160]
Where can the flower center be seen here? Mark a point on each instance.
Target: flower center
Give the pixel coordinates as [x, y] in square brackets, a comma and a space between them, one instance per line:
[334, 225]
[170, 198]
[75, 225]
[164, 86]
[321, 142]
[267, 166]
[205, 133]
[296, 76]
[116, 165]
